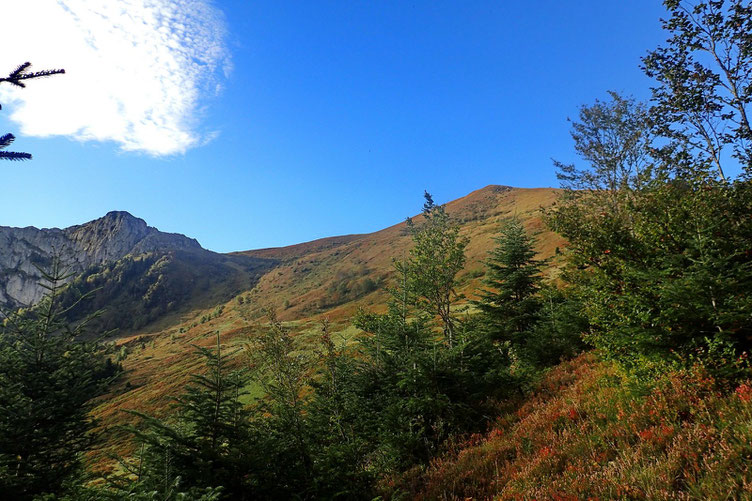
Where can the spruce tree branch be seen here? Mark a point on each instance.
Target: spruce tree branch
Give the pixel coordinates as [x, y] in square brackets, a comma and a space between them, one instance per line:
[13, 155]
[6, 140]
[15, 77]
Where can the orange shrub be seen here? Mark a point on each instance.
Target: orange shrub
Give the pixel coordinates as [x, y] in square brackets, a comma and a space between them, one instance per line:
[586, 435]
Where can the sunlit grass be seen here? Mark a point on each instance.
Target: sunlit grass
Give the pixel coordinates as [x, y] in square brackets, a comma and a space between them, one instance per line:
[160, 362]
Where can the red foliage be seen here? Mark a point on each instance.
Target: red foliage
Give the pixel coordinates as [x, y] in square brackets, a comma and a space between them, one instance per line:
[744, 392]
[584, 435]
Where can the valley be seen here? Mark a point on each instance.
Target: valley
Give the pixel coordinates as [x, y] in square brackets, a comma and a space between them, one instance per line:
[309, 282]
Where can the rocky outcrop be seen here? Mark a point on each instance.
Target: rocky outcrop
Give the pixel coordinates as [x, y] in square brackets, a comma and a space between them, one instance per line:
[23, 251]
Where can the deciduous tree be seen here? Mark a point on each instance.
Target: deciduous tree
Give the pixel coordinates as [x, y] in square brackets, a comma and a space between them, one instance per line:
[431, 269]
[703, 76]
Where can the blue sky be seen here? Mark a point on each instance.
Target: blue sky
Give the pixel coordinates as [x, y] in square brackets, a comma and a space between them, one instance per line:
[307, 119]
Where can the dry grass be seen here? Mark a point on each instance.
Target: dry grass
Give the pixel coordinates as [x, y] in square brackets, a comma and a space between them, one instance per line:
[161, 360]
[310, 271]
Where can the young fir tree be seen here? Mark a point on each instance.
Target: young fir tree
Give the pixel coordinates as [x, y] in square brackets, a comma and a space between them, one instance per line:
[210, 444]
[510, 303]
[406, 416]
[48, 377]
[336, 416]
[283, 370]
[17, 78]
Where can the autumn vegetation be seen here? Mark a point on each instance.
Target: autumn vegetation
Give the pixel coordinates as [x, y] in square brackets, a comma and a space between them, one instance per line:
[619, 371]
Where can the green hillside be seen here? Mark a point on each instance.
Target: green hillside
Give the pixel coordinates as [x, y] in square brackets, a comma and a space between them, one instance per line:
[152, 289]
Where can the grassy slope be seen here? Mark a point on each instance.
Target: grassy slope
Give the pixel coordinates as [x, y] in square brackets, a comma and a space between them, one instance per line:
[311, 272]
[149, 292]
[160, 360]
[585, 435]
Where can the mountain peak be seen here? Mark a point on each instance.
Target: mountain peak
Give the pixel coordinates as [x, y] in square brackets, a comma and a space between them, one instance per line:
[119, 214]
[103, 240]
[123, 220]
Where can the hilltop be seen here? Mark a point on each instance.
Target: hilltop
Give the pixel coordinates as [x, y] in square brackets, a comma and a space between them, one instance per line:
[327, 278]
[333, 276]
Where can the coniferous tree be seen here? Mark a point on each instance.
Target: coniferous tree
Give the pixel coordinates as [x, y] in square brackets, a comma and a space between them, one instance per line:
[283, 370]
[558, 334]
[48, 377]
[408, 411]
[339, 419]
[510, 303]
[209, 445]
[16, 78]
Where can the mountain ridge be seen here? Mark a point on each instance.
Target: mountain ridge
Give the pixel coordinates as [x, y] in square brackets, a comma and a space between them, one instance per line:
[150, 275]
[330, 278]
[24, 252]
[333, 274]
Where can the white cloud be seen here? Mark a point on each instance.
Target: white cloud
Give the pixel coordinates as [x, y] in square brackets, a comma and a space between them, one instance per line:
[136, 70]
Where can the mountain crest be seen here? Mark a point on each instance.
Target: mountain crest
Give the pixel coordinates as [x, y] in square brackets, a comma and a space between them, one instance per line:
[102, 240]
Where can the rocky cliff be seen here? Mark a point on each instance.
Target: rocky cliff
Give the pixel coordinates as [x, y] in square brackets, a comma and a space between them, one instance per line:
[80, 247]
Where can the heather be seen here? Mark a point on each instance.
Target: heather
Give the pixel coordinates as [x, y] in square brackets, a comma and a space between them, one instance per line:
[588, 433]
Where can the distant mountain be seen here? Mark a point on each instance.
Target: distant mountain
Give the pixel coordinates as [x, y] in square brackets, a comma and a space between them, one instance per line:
[147, 280]
[140, 272]
[334, 276]
[103, 240]
[327, 278]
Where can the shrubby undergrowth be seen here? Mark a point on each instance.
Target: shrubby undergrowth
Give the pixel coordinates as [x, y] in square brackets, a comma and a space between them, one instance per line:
[588, 433]
[434, 401]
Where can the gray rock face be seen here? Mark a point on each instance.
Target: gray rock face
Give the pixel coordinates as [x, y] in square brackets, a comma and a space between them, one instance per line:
[109, 238]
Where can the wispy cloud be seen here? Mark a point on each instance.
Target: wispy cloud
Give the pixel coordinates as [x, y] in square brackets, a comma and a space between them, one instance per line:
[137, 71]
